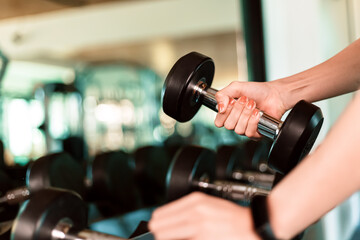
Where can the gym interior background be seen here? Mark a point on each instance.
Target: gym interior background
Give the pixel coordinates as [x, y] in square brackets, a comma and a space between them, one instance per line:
[94, 69]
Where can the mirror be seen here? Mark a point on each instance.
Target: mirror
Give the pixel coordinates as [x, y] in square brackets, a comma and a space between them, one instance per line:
[116, 55]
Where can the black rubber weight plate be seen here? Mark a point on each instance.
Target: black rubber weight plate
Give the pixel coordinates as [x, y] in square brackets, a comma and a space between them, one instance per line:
[152, 164]
[58, 170]
[114, 180]
[178, 101]
[189, 164]
[40, 215]
[296, 137]
[260, 152]
[246, 156]
[226, 163]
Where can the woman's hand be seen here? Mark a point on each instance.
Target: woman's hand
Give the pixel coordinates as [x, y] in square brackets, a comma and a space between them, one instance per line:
[239, 104]
[198, 216]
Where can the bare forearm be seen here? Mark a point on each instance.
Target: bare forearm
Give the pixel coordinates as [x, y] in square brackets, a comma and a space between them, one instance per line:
[338, 75]
[322, 180]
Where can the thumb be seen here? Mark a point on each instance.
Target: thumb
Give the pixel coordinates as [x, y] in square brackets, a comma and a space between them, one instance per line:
[222, 101]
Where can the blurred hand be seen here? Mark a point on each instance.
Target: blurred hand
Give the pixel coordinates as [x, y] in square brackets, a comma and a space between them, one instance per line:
[239, 104]
[198, 216]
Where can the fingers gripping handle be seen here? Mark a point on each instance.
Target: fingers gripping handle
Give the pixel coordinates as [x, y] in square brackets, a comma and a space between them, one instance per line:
[267, 126]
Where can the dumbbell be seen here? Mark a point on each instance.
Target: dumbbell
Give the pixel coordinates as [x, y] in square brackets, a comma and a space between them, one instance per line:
[57, 214]
[151, 165]
[188, 86]
[245, 162]
[111, 185]
[53, 170]
[193, 169]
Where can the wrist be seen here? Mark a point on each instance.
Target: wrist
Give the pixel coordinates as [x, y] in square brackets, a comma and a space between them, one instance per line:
[284, 89]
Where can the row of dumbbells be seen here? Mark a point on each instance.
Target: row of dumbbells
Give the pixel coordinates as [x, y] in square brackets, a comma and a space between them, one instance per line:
[116, 174]
[115, 181]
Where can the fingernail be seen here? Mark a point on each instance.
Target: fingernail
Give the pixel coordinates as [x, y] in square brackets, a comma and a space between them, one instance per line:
[255, 113]
[221, 107]
[232, 102]
[243, 99]
[250, 104]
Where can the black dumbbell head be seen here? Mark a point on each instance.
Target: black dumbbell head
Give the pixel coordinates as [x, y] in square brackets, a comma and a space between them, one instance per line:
[58, 170]
[45, 210]
[228, 159]
[179, 99]
[152, 164]
[113, 180]
[296, 137]
[247, 156]
[190, 164]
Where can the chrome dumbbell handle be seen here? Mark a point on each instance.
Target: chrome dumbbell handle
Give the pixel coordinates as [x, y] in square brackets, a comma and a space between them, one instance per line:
[233, 191]
[253, 177]
[63, 231]
[267, 126]
[15, 196]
